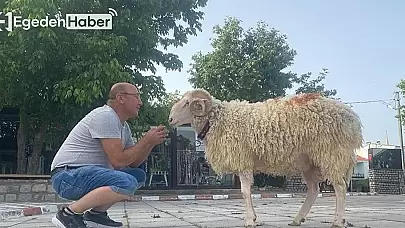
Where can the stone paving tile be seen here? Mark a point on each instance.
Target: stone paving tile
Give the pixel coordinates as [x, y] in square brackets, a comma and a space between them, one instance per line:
[373, 211]
[278, 213]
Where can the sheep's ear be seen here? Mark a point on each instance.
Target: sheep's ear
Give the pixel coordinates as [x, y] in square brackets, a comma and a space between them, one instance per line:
[200, 107]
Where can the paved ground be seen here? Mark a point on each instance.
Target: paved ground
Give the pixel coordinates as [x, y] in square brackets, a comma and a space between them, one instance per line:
[362, 212]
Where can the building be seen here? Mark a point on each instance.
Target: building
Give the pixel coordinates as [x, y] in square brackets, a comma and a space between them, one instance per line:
[376, 156]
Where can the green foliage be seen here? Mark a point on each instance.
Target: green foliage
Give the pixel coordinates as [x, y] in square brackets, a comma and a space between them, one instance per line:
[313, 85]
[401, 85]
[54, 69]
[55, 75]
[155, 113]
[244, 65]
[250, 65]
[361, 185]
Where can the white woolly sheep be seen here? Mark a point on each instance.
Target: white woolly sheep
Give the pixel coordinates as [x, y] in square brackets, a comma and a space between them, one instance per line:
[305, 134]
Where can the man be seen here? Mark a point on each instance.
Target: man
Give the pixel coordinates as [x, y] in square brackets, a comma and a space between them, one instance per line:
[97, 164]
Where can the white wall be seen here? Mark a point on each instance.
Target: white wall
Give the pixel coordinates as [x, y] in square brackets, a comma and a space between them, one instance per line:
[362, 167]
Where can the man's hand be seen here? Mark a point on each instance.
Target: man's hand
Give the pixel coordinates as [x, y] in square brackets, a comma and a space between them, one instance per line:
[156, 135]
[152, 138]
[136, 154]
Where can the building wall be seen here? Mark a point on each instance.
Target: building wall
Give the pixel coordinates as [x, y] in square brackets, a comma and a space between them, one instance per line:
[387, 181]
[362, 168]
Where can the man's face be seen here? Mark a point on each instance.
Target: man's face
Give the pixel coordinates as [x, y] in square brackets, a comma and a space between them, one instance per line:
[131, 101]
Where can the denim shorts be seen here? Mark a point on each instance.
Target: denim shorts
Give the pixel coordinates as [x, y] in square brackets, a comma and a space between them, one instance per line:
[73, 184]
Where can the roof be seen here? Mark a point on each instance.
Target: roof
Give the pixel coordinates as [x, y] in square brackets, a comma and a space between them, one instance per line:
[360, 158]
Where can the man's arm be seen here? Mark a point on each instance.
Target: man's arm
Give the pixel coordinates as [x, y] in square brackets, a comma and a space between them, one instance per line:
[141, 159]
[132, 156]
[105, 127]
[130, 143]
[121, 157]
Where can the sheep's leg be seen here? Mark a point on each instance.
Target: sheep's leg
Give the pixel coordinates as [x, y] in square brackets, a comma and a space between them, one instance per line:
[311, 179]
[340, 191]
[246, 180]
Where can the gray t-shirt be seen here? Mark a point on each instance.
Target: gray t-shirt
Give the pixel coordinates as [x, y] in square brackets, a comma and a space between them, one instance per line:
[83, 146]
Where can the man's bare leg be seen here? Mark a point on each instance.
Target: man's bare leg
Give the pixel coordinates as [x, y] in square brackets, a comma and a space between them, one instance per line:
[105, 207]
[103, 196]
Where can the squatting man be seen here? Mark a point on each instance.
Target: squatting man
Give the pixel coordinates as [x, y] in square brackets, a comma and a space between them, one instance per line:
[98, 163]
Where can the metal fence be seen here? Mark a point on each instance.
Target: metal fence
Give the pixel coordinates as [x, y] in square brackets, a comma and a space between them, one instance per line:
[189, 170]
[194, 170]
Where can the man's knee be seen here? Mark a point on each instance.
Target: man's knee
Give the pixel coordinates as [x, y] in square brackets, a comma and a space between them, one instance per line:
[141, 177]
[138, 173]
[125, 184]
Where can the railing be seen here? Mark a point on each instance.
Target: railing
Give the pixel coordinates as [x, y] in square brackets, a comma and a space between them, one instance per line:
[358, 175]
[8, 168]
[194, 170]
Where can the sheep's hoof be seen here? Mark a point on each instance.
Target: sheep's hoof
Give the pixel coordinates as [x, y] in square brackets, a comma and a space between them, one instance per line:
[250, 224]
[295, 223]
[337, 225]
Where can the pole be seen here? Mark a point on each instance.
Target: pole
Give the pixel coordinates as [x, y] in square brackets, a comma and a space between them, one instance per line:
[173, 159]
[401, 141]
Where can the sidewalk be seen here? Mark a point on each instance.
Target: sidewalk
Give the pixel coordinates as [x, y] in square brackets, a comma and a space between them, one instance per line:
[11, 210]
[362, 212]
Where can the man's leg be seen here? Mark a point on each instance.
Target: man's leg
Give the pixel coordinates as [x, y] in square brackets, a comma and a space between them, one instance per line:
[97, 216]
[101, 195]
[139, 175]
[92, 187]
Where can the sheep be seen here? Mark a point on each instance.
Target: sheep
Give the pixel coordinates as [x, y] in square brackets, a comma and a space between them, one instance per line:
[305, 134]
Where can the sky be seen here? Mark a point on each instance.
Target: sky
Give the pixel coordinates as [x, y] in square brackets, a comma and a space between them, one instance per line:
[361, 43]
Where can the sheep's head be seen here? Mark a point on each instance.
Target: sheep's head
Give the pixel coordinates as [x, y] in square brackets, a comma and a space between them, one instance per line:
[194, 103]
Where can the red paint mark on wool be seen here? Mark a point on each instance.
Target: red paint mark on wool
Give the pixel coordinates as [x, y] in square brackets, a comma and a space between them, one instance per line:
[303, 99]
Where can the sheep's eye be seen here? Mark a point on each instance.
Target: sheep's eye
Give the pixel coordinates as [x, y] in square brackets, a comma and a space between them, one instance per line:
[187, 103]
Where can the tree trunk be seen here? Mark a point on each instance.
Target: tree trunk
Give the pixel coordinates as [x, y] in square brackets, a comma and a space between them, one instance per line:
[34, 164]
[21, 140]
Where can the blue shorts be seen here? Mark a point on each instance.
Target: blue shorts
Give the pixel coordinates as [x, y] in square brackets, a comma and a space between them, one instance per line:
[73, 184]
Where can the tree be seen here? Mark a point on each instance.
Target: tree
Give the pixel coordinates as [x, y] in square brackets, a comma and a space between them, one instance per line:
[249, 65]
[244, 65]
[54, 75]
[313, 85]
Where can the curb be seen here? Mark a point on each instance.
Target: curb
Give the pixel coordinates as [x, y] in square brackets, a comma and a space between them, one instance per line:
[28, 211]
[38, 210]
[235, 196]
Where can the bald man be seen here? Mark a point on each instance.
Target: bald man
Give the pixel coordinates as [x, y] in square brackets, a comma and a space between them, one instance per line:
[97, 164]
